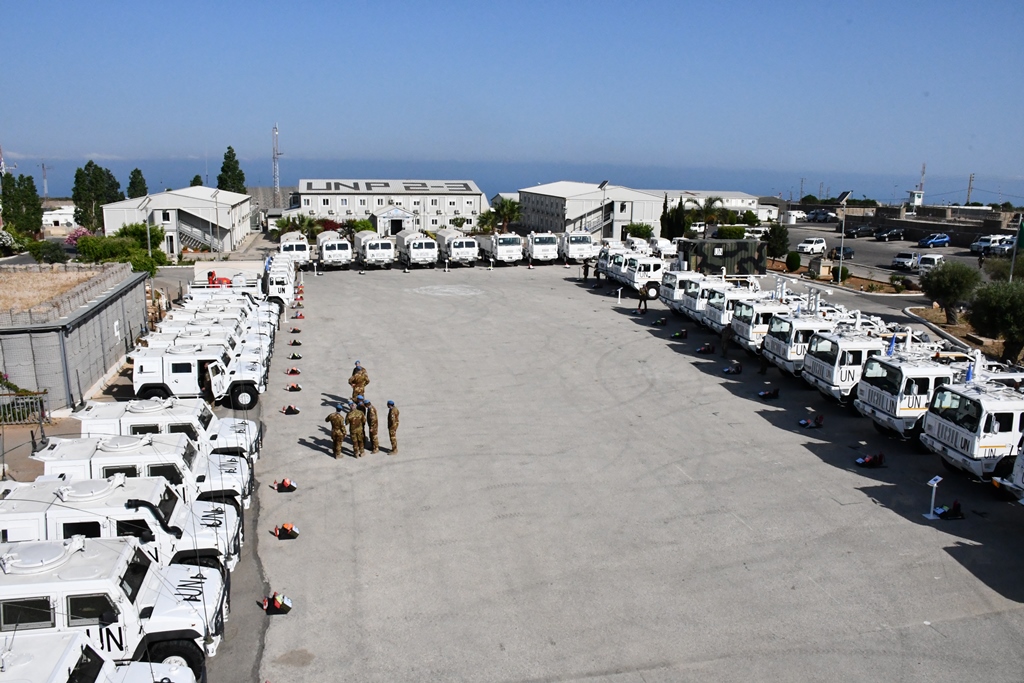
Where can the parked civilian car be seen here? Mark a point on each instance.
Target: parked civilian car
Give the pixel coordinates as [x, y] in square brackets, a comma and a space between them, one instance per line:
[823, 216]
[1004, 247]
[936, 239]
[906, 260]
[812, 245]
[755, 233]
[984, 244]
[859, 231]
[847, 253]
[886, 234]
[929, 262]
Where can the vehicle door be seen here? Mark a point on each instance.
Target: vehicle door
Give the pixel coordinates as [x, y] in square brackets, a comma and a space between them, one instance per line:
[183, 378]
[100, 618]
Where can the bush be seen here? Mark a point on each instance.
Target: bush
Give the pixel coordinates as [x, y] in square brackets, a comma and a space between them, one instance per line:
[845, 274]
[998, 269]
[47, 252]
[750, 218]
[142, 235]
[793, 261]
[731, 232]
[641, 230]
[72, 239]
[998, 311]
[874, 287]
[690, 234]
[120, 250]
[897, 279]
[950, 285]
[778, 241]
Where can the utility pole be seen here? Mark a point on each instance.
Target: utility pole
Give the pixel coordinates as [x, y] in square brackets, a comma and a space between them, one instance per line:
[821, 188]
[277, 172]
[801, 188]
[970, 187]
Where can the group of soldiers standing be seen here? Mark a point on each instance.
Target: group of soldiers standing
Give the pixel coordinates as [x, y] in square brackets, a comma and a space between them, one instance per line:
[361, 421]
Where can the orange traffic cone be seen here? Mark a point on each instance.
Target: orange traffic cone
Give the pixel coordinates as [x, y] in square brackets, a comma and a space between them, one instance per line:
[293, 371]
[293, 387]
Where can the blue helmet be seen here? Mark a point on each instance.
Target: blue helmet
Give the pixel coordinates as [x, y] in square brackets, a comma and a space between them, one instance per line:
[338, 407]
[391, 403]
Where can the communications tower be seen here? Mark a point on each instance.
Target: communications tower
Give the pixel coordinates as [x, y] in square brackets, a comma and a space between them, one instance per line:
[277, 172]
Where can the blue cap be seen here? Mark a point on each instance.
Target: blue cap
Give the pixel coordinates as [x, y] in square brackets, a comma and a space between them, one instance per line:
[357, 362]
[359, 397]
[367, 402]
[391, 403]
[338, 407]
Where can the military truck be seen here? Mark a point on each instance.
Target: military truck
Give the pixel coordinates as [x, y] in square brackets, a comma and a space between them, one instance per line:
[197, 372]
[373, 250]
[333, 250]
[501, 248]
[455, 247]
[416, 249]
[130, 608]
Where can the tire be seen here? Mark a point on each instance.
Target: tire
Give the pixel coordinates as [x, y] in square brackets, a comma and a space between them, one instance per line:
[244, 396]
[387, 266]
[154, 393]
[181, 653]
[652, 291]
[1004, 468]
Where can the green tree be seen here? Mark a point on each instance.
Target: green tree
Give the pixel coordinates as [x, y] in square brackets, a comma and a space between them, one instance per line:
[793, 261]
[998, 269]
[950, 285]
[731, 232]
[709, 209]
[750, 218]
[998, 311]
[231, 177]
[778, 241]
[641, 230]
[9, 201]
[44, 251]
[137, 184]
[197, 181]
[94, 187]
[459, 221]
[22, 207]
[809, 199]
[144, 236]
[487, 221]
[506, 212]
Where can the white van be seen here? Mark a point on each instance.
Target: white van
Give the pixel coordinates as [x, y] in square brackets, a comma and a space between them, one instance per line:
[929, 262]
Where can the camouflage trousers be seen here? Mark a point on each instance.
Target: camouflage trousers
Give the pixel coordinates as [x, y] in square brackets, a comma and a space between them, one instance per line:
[338, 438]
[393, 435]
[374, 443]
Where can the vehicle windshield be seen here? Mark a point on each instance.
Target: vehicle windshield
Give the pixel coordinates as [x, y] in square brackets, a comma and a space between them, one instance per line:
[692, 287]
[189, 456]
[545, 239]
[135, 575]
[205, 417]
[669, 280]
[824, 350]
[904, 254]
[341, 246]
[579, 239]
[716, 297]
[226, 359]
[88, 668]
[168, 502]
[329, 246]
[886, 377]
[958, 409]
[508, 241]
[373, 245]
[744, 313]
[780, 329]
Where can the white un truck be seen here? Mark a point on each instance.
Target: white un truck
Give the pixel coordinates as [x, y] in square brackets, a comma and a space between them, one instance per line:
[541, 246]
[108, 589]
[455, 247]
[373, 250]
[576, 246]
[501, 248]
[295, 246]
[333, 250]
[416, 249]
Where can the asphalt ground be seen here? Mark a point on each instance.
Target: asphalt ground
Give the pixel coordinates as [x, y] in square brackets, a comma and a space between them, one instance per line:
[580, 497]
[872, 258]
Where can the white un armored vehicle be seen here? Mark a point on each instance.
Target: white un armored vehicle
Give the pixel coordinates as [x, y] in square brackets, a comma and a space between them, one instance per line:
[197, 372]
[295, 246]
[107, 588]
[576, 246]
[69, 657]
[541, 246]
[169, 530]
[174, 457]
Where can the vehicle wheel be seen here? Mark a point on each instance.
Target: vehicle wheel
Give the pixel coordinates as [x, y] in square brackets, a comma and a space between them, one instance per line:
[472, 264]
[179, 653]
[1004, 467]
[244, 396]
[652, 291]
[154, 392]
[433, 265]
[387, 266]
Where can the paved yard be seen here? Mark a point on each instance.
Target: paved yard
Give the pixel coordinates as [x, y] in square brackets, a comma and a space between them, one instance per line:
[578, 497]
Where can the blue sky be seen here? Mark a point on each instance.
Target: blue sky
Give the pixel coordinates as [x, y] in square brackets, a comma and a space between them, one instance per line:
[855, 93]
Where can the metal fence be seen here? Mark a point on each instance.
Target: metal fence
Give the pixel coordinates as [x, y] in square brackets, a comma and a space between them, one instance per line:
[24, 408]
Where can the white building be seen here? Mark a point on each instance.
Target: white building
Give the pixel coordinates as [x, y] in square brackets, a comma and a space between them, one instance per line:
[195, 217]
[392, 205]
[568, 205]
[740, 202]
[59, 221]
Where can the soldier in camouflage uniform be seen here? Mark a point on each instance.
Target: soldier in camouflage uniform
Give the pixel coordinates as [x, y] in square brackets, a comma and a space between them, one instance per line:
[393, 426]
[337, 421]
[356, 421]
[358, 380]
[371, 422]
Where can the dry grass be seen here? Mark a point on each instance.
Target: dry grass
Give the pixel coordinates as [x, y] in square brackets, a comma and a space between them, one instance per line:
[22, 291]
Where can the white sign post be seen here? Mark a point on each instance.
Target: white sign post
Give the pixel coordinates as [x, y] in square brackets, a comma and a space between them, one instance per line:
[934, 483]
[619, 292]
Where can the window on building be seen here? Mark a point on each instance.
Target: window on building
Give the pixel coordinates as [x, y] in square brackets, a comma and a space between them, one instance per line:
[415, 202]
[451, 202]
[167, 217]
[469, 221]
[622, 207]
[433, 202]
[305, 201]
[469, 202]
[362, 202]
[380, 201]
[343, 202]
[325, 201]
[433, 221]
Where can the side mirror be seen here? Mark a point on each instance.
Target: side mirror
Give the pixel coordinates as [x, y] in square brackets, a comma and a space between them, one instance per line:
[107, 618]
[995, 426]
[201, 478]
[147, 537]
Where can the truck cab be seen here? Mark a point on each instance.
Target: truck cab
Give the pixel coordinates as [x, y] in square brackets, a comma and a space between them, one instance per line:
[333, 250]
[373, 250]
[835, 359]
[645, 273]
[190, 470]
[256, 348]
[751, 318]
[673, 287]
[976, 427]
[502, 248]
[416, 249]
[695, 298]
[610, 257]
[295, 246]
[638, 245]
[576, 246]
[895, 391]
[541, 246]
[721, 306]
[108, 589]
[169, 530]
[197, 372]
[785, 344]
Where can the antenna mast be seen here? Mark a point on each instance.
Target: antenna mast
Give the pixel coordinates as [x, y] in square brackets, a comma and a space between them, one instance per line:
[46, 190]
[277, 172]
[920, 186]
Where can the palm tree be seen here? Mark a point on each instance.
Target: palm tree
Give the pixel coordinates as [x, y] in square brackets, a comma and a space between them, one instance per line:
[707, 209]
[506, 211]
